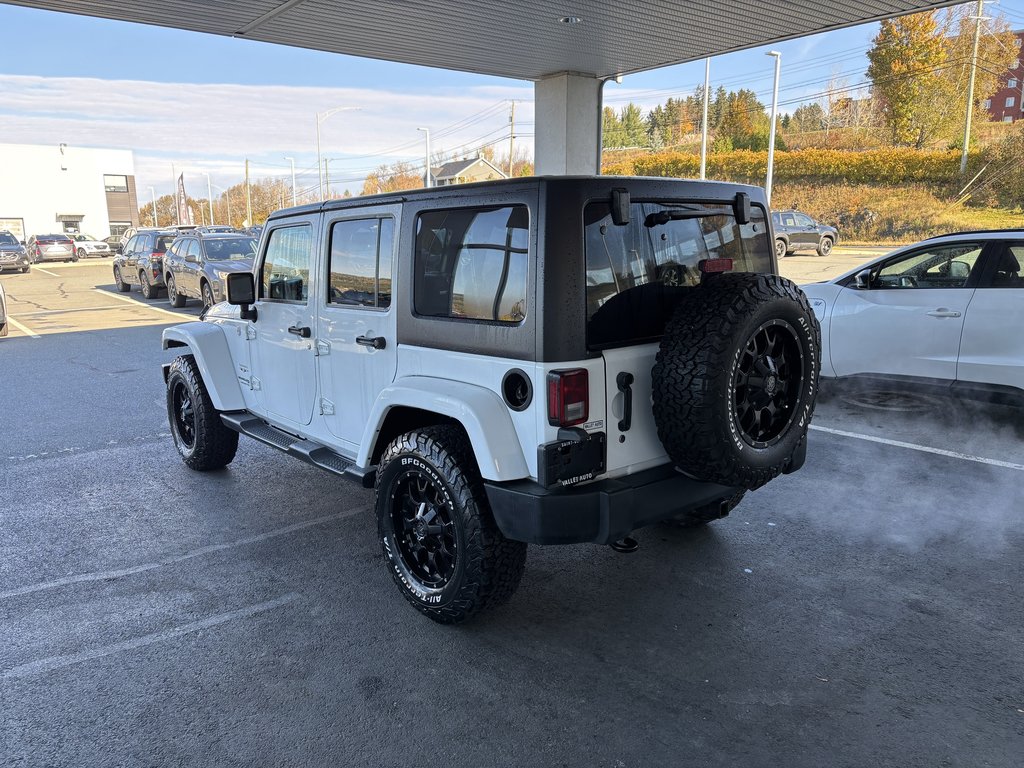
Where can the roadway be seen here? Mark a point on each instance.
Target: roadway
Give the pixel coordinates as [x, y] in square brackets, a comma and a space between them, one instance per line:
[863, 611]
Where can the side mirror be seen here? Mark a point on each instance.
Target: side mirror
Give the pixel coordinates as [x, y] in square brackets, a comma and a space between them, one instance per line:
[22, 242]
[862, 280]
[120, 250]
[190, 259]
[242, 293]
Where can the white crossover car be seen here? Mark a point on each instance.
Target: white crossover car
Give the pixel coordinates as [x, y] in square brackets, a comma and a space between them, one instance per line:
[87, 245]
[944, 313]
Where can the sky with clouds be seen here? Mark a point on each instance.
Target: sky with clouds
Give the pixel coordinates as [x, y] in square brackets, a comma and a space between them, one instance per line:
[202, 103]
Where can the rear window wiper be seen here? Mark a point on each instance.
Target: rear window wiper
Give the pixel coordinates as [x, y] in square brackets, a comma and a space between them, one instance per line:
[664, 217]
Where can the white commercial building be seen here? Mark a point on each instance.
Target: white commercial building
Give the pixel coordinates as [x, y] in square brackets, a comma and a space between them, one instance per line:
[50, 188]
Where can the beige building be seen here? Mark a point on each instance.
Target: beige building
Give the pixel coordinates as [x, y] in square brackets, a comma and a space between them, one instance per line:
[465, 171]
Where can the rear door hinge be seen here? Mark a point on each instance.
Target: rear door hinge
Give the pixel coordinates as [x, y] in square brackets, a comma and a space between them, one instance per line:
[323, 348]
[326, 407]
[250, 332]
[255, 383]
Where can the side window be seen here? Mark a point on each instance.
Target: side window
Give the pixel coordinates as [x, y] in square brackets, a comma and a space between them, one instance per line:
[193, 251]
[788, 220]
[1007, 271]
[284, 274]
[130, 245]
[941, 266]
[360, 266]
[803, 221]
[472, 263]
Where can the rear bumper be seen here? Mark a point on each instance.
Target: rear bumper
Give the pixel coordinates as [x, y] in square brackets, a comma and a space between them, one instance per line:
[600, 512]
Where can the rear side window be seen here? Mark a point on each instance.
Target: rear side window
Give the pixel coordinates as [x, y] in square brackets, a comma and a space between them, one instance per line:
[360, 267]
[284, 275]
[637, 272]
[472, 263]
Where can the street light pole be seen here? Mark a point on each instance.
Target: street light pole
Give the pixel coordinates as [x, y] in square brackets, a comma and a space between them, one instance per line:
[292, 161]
[426, 171]
[970, 86]
[704, 121]
[209, 194]
[152, 194]
[320, 117]
[771, 132]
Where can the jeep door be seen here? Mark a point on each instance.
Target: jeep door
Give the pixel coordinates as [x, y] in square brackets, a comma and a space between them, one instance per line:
[283, 357]
[357, 351]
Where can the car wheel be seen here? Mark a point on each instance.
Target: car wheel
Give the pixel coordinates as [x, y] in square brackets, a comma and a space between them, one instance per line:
[81, 253]
[707, 513]
[736, 377]
[201, 438]
[441, 543]
[781, 249]
[122, 286]
[825, 246]
[148, 291]
[24, 270]
[176, 299]
[208, 300]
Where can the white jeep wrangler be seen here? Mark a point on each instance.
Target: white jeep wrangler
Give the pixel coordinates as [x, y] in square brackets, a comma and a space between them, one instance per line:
[546, 360]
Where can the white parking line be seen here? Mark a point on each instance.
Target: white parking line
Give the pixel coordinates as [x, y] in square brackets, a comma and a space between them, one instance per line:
[51, 663]
[24, 329]
[73, 309]
[81, 578]
[922, 448]
[175, 315]
[46, 271]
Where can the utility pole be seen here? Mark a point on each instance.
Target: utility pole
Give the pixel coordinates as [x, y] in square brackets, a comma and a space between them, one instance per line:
[152, 194]
[970, 86]
[320, 117]
[248, 196]
[771, 132]
[704, 121]
[511, 136]
[426, 169]
[209, 195]
[292, 161]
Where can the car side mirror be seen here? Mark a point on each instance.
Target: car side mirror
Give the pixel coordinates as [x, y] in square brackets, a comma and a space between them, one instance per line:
[242, 293]
[120, 250]
[862, 280]
[190, 259]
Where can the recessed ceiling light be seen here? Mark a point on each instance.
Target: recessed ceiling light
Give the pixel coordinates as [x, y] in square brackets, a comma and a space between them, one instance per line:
[570, 19]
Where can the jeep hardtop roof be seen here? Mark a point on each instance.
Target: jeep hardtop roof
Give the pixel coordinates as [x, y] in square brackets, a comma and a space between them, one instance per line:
[722, 190]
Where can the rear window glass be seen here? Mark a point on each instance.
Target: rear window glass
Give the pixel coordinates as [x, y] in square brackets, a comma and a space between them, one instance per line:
[636, 273]
[472, 263]
[230, 248]
[6, 239]
[163, 243]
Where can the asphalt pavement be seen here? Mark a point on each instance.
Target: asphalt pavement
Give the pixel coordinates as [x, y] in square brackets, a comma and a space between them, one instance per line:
[863, 611]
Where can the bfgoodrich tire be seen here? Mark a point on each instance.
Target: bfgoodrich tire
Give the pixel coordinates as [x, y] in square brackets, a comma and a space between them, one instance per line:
[201, 438]
[736, 378]
[440, 541]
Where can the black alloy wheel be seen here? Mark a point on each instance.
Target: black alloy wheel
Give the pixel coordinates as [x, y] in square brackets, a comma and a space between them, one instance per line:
[183, 414]
[424, 528]
[176, 299]
[148, 291]
[767, 383]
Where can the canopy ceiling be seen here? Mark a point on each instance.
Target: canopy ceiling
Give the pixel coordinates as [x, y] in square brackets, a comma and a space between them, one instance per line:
[524, 39]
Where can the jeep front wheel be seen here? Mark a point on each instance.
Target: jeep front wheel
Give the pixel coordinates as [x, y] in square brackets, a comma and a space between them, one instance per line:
[736, 378]
[201, 438]
[441, 543]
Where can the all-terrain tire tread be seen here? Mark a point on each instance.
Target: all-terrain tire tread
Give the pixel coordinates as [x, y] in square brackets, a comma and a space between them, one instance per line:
[494, 566]
[215, 444]
[689, 363]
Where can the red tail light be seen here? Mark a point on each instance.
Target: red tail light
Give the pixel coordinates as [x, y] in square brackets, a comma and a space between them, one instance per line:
[568, 397]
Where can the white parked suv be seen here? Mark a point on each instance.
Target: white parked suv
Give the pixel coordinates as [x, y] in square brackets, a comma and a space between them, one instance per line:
[547, 360]
[942, 315]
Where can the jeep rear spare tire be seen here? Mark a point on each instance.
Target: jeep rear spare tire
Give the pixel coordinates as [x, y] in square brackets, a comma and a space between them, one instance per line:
[736, 377]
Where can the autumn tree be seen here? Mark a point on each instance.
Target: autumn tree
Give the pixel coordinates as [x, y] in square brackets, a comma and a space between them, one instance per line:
[393, 178]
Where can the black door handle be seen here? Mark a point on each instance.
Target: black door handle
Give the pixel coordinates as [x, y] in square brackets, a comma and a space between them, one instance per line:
[301, 330]
[624, 382]
[377, 342]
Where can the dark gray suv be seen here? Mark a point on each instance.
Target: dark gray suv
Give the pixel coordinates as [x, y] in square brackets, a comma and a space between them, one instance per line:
[197, 264]
[12, 253]
[796, 231]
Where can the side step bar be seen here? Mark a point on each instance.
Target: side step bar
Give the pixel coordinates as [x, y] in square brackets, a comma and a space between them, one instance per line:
[306, 450]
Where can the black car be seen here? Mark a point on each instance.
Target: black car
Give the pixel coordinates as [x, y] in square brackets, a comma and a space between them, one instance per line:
[796, 231]
[140, 261]
[12, 253]
[197, 264]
